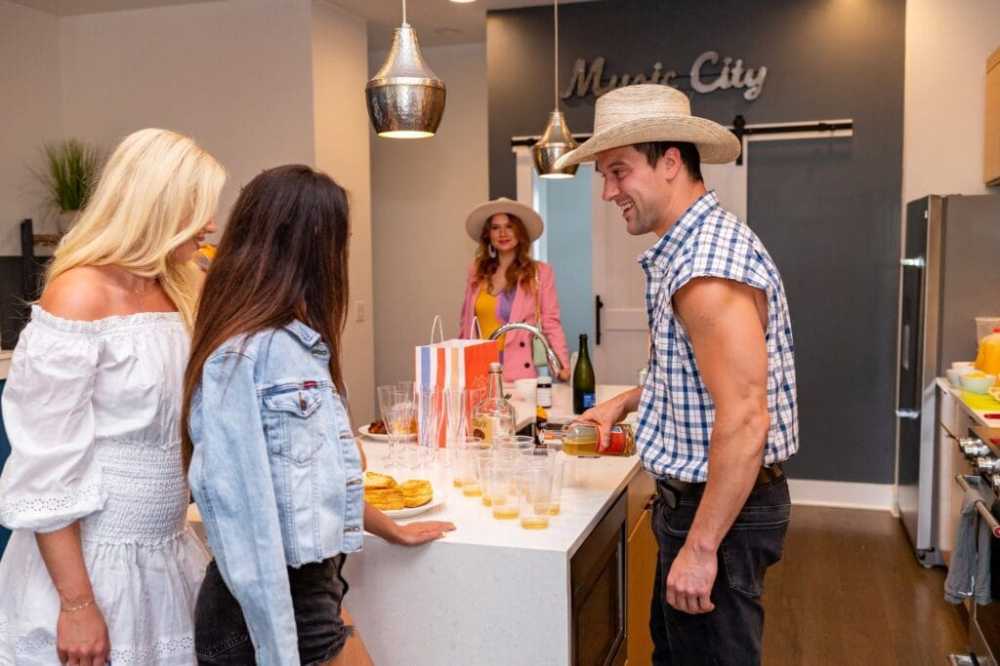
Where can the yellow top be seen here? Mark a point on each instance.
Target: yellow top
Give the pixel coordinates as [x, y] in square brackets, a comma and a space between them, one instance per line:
[486, 312]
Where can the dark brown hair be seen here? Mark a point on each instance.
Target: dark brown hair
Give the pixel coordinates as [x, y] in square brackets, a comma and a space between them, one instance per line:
[283, 256]
[654, 150]
[521, 270]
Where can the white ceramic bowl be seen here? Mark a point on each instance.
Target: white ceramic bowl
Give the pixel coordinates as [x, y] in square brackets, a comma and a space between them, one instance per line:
[974, 383]
[954, 376]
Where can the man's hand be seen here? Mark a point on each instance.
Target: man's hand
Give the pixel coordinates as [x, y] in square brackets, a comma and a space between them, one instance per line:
[609, 413]
[690, 581]
[416, 534]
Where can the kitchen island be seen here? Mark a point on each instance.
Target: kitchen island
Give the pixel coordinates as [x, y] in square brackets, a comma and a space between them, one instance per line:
[492, 592]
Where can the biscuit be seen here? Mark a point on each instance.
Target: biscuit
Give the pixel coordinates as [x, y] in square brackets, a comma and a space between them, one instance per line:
[374, 480]
[416, 492]
[385, 499]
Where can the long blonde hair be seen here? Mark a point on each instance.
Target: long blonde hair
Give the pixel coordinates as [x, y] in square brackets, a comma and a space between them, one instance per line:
[157, 191]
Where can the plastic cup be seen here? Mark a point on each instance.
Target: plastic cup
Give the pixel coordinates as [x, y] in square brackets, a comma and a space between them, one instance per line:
[535, 495]
[501, 487]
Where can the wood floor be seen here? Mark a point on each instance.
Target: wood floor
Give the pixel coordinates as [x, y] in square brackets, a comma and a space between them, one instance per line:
[849, 591]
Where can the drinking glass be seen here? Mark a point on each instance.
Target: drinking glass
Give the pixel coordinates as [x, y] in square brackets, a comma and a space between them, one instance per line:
[456, 412]
[501, 486]
[464, 462]
[397, 409]
[535, 496]
[554, 462]
[430, 419]
[521, 444]
[479, 460]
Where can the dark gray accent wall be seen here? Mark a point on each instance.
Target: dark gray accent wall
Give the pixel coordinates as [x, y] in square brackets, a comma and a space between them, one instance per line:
[830, 211]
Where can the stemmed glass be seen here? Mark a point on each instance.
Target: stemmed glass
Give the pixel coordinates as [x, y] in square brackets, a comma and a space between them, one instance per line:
[431, 416]
[398, 412]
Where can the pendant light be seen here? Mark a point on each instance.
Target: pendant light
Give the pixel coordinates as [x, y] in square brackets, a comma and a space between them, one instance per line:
[405, 98]
[557, 140]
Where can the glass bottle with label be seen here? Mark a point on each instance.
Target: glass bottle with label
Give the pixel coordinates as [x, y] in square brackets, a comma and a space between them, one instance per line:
[494, 419]
[584, 384]
[580, 439]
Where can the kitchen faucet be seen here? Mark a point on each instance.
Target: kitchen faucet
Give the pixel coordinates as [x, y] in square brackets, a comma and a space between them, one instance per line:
[555, 365]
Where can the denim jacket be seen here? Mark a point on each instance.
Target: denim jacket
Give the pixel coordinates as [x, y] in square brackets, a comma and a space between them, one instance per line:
[275, 472]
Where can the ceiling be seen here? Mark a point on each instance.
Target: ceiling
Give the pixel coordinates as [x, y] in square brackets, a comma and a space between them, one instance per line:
[438, 22]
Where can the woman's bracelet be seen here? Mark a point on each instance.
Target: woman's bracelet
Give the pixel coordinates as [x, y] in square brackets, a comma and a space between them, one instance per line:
[77, 607]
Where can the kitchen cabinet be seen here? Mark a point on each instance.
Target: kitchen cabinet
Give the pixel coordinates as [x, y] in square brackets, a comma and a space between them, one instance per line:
[642, 554]
[991, 154]
[598, 582]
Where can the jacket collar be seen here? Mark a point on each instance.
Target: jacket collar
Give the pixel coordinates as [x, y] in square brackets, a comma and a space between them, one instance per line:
[307, 336]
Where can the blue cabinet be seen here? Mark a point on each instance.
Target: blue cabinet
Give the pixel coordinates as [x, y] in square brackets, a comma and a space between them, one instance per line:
[4, 452]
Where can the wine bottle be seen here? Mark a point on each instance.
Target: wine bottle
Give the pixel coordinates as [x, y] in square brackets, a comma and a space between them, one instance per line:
[584, 384]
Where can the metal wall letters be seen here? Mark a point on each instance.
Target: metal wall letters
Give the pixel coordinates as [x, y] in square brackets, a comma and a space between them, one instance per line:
[589, 79]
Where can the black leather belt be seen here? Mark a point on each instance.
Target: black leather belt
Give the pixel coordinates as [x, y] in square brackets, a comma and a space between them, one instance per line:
[672, 490]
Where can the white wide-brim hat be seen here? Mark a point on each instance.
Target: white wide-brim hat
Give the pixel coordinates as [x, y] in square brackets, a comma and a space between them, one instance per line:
[482, 213]
[652, 112]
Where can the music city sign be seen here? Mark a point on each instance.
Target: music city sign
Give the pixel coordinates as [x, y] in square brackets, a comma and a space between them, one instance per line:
[589, 79]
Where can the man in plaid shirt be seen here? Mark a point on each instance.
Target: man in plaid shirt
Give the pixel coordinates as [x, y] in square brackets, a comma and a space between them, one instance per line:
[717, 414]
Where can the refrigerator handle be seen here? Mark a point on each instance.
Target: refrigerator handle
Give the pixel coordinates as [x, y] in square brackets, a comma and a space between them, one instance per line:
[906, 346]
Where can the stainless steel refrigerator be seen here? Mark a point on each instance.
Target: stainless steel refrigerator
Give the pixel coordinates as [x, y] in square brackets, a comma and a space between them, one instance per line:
[949, 274]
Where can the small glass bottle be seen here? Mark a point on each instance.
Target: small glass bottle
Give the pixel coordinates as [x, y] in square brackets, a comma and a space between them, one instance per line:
[494, 419]
[544, 395]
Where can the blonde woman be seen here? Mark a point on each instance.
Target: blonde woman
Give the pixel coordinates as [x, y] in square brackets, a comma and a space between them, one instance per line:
[102, 565]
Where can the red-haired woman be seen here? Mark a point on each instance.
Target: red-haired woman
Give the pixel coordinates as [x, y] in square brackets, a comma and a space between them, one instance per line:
[506, 285]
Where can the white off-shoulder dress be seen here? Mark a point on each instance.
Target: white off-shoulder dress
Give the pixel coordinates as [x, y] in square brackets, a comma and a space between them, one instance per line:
[92, 410]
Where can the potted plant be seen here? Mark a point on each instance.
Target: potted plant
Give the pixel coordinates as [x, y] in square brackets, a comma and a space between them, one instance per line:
[70, 171]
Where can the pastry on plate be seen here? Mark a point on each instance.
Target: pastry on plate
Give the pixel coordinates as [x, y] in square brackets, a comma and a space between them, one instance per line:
[416, 492]
[385, 499]
[374, 480]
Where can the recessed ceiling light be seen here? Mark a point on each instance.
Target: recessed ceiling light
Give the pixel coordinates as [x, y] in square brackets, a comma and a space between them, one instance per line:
[462, 2]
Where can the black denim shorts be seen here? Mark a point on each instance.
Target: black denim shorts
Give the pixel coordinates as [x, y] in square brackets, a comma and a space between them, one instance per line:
[221, 637]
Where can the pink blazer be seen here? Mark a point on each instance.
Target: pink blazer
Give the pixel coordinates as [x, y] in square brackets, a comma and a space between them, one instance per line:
[517, 354]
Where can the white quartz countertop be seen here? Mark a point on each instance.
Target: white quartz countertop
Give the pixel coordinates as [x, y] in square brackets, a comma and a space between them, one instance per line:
[590, 486]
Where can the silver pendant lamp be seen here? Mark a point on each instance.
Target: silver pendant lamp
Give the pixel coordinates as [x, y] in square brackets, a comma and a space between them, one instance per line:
[557, 140]
[405, 98]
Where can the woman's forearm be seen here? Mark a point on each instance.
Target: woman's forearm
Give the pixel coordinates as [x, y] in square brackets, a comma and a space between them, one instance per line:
[380, 524]
[63, 557]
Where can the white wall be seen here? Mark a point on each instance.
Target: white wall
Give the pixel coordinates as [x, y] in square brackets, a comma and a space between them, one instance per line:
[340, 123]
[421, 193]
[947, 44]
[29, 115]
[236, 76]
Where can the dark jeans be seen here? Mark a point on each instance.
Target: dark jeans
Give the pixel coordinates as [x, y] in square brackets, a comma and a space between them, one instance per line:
[732, 633]
[220, 632]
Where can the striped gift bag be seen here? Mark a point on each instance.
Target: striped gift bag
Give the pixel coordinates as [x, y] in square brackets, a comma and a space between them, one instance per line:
[454, 364]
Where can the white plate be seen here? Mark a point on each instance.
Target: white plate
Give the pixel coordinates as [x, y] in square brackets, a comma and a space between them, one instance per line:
[437, 500]
[363, 431]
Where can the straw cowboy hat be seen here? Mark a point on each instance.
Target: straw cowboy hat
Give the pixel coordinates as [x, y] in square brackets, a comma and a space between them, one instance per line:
[652, 112]
[481, 214]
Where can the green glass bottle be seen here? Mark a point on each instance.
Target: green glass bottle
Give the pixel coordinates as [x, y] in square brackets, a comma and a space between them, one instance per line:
[584, 384]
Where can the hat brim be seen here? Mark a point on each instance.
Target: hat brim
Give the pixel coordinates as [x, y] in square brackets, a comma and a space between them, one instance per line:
[482, 213]
[715, 143]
